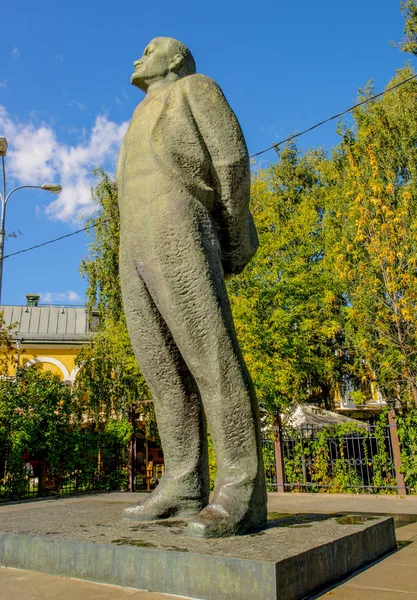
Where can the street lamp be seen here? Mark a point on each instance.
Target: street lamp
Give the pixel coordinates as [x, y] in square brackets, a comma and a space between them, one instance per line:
[3, 146]
[54, 188]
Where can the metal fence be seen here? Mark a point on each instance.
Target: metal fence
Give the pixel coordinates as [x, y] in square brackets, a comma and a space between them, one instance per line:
[88, 466]
[309, 459]
[325, 459]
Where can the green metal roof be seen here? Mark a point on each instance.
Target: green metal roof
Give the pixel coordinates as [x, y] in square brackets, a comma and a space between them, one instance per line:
[54, 324]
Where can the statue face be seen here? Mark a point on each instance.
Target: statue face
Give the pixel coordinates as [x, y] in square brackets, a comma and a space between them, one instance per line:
[157, 61]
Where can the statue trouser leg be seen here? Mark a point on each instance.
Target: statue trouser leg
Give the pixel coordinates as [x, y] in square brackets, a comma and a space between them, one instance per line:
[185, 279]
[184, 488]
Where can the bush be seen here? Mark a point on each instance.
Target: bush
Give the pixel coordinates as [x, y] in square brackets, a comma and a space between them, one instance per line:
[41, 423]
[407, 432]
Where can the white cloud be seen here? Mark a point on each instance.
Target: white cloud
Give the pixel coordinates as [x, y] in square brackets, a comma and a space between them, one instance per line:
[15, 52]
[73, 296]
[76, 104]
[59, 297]
[36, 156]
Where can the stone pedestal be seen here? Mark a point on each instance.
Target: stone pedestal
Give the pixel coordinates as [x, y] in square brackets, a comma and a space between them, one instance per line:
[290, 559]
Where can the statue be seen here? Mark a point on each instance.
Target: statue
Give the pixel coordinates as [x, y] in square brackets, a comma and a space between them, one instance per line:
[183, 179]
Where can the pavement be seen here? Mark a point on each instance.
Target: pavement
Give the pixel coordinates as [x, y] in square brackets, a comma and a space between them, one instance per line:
[392, 578]
[26, 585]
[398, 506]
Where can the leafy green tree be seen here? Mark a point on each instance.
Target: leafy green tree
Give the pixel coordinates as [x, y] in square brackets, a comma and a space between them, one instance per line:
[109, 379]
[285, 306]
[36, 412]
[409, 10]
[372, 216]
[407, 432]
[41, 421]
[7, 353]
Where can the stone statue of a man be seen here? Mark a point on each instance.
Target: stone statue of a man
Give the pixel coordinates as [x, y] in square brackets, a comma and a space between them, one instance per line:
[183, 180]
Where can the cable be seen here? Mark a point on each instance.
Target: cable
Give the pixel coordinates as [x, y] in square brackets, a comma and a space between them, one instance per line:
[296, 135]
[62, 237]
[288, 139]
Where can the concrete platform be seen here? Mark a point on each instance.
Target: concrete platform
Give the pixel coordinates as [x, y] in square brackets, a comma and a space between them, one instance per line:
[393, 577]
[85, 538]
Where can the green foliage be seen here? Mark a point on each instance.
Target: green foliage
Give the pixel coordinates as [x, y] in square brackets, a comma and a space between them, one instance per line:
[407, 433]
[371, 226]
[109, 379]
[312, 461]
[285, 305]
[40, 418]
[268, 455]
[332, 291]
[35, 411]
[7, 355]
[358, 397]
[409, 11]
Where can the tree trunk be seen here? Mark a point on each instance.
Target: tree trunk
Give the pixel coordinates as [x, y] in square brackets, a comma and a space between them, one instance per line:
[279, 453]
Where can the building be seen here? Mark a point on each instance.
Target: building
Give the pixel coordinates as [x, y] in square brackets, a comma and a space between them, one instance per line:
[360, 400]
[48, 336]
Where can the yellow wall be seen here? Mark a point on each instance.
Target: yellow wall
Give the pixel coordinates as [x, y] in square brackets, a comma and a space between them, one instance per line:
[65, 357]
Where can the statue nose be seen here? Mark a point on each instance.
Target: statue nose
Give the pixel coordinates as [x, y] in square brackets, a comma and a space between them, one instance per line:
[137, 63]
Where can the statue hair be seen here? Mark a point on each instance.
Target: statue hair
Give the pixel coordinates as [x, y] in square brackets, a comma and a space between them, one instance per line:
[188, 63]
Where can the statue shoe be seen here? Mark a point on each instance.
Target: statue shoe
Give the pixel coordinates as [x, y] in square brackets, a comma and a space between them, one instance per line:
[164, 503]
[216, 521]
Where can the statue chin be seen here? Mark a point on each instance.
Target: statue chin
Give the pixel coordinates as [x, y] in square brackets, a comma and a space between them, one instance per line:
[135, 79]
[138, 80]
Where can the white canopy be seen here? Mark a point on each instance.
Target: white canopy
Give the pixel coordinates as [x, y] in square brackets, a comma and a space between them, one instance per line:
[309, 415]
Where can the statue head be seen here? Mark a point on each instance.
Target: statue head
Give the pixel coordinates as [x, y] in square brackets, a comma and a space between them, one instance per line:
[163, 59]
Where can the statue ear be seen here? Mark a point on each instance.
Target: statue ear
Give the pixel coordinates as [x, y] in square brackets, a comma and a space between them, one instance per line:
[176, 63]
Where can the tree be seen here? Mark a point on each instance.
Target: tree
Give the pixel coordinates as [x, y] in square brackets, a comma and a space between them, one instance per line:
[7, 355]
[36, 413]
[409, 11]
[373, 219]
[285, 306]
[42, 428]
[109, 379]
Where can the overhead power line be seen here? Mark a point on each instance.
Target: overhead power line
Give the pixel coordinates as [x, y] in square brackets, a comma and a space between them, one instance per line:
[272, 147]
[58, 239]
[296, 135]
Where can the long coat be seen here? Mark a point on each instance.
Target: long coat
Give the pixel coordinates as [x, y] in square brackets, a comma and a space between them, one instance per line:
[197, 143]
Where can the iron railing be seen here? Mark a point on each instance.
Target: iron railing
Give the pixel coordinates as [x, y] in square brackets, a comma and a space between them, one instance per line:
[89, 466]
[317, 460]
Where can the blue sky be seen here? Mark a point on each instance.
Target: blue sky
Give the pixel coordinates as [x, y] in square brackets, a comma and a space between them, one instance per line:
[65, 96]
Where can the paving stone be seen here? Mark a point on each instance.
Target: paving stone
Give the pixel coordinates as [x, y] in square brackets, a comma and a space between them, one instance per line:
[16, 584]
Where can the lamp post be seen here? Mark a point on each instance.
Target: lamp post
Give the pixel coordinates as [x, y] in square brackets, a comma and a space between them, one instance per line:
[54, 188]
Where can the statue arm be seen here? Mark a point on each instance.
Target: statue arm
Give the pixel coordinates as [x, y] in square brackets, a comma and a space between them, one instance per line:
[223, 138]
[120, 160]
